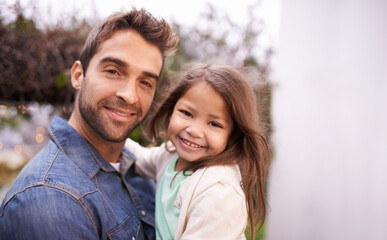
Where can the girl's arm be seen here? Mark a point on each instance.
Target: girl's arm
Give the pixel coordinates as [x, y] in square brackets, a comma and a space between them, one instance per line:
[148, 160]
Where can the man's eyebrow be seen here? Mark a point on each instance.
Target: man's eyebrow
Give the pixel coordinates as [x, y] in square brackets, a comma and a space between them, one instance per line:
[124, 65]
[151, 75]
[113, 60]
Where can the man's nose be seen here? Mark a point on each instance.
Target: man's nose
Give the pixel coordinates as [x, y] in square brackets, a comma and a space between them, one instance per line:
[128, 92]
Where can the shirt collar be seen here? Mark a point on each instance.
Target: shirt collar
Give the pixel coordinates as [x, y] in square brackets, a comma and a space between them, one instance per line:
[82, 153]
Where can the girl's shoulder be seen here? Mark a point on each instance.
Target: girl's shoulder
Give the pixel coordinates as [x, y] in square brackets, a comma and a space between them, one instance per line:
[226, 174]
[225, 179]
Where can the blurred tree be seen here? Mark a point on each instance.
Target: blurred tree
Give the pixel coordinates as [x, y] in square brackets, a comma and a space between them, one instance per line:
[34, 63]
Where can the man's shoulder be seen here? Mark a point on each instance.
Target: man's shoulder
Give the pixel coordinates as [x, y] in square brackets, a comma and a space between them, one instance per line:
[51, 168]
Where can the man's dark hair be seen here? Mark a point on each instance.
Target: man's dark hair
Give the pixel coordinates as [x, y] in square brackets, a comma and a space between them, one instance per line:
[153, 30]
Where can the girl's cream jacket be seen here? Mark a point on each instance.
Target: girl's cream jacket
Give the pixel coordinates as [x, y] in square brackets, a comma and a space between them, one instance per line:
[211, 201]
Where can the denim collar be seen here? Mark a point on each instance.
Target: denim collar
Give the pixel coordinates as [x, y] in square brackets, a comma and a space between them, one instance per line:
[83, 154]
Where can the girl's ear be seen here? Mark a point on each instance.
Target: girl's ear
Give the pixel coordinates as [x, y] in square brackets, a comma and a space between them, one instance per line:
[77, 75]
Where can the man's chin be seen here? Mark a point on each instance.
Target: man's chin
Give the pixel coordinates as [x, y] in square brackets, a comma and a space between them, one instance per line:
[115, 138]
[113, 132]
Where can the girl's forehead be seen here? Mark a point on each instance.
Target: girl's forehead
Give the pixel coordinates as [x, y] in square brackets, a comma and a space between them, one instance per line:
[203, 97]
[200, 88]
[200, 84]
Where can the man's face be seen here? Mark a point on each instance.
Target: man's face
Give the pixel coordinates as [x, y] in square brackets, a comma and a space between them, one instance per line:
[118, 88]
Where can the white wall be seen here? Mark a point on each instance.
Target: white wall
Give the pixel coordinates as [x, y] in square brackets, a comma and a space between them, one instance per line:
[329, 175]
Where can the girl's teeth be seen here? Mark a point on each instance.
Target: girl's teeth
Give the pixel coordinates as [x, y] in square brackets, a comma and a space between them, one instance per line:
[191, 144]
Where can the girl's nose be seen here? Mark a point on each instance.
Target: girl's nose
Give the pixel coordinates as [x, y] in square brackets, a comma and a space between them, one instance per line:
[195, 130]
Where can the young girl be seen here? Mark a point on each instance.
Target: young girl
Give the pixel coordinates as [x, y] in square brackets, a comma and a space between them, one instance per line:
[212, 168]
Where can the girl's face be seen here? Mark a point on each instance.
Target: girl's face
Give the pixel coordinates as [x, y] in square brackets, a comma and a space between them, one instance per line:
[200, 125]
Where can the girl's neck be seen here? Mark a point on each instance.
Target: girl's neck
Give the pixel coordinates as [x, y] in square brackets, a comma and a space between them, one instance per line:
[182, 166]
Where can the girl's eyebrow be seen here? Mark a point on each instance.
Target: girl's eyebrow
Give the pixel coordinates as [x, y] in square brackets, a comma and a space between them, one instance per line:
[216, 116]
[184, 103]
[187, 104]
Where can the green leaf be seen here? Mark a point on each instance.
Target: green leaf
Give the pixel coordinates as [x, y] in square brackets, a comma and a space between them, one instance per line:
[61, 81]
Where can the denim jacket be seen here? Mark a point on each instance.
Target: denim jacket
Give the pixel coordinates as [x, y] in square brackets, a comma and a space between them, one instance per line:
[68, 191]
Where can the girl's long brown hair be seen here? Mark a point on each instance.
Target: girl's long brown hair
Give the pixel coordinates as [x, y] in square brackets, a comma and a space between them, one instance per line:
[247, 145]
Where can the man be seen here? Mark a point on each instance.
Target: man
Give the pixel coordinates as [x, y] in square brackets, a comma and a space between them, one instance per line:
[82, 184]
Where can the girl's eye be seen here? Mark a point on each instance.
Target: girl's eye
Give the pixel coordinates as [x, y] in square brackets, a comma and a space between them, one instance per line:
[186, 113]
[215, 124]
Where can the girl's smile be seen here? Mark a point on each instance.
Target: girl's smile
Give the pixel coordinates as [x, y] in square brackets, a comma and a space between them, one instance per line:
[191, 144]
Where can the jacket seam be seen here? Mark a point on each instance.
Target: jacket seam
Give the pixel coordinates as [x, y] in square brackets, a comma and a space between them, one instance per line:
[95, 158]
[122, 224]
[78, 198]
[49, 167]
[17, 192]
[56, 140]
[33, 184]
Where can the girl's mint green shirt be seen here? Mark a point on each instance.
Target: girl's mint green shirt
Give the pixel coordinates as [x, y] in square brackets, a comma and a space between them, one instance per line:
[167, 215]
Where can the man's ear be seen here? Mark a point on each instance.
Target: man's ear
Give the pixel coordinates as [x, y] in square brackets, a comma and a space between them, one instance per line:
[77, 75]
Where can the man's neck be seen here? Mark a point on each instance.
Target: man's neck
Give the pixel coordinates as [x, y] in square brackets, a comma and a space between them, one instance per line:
[110, 151]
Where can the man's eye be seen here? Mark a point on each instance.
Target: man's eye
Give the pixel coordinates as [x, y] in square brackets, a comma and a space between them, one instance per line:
[146, 83]
[112, 71]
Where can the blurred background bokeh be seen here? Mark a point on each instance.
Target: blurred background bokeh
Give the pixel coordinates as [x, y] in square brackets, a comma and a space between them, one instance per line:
[321, 65]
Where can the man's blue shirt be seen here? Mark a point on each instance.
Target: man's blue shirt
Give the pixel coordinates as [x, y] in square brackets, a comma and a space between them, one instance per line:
[68, 191]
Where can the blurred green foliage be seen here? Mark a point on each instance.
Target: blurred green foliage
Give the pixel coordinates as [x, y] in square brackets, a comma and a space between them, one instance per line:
[259, 236]
[61, 81]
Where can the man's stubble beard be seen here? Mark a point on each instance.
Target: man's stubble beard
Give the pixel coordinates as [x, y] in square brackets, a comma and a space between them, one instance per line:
[91, 117]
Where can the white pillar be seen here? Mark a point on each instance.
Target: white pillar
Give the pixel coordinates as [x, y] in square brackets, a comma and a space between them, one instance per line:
[328, 179]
